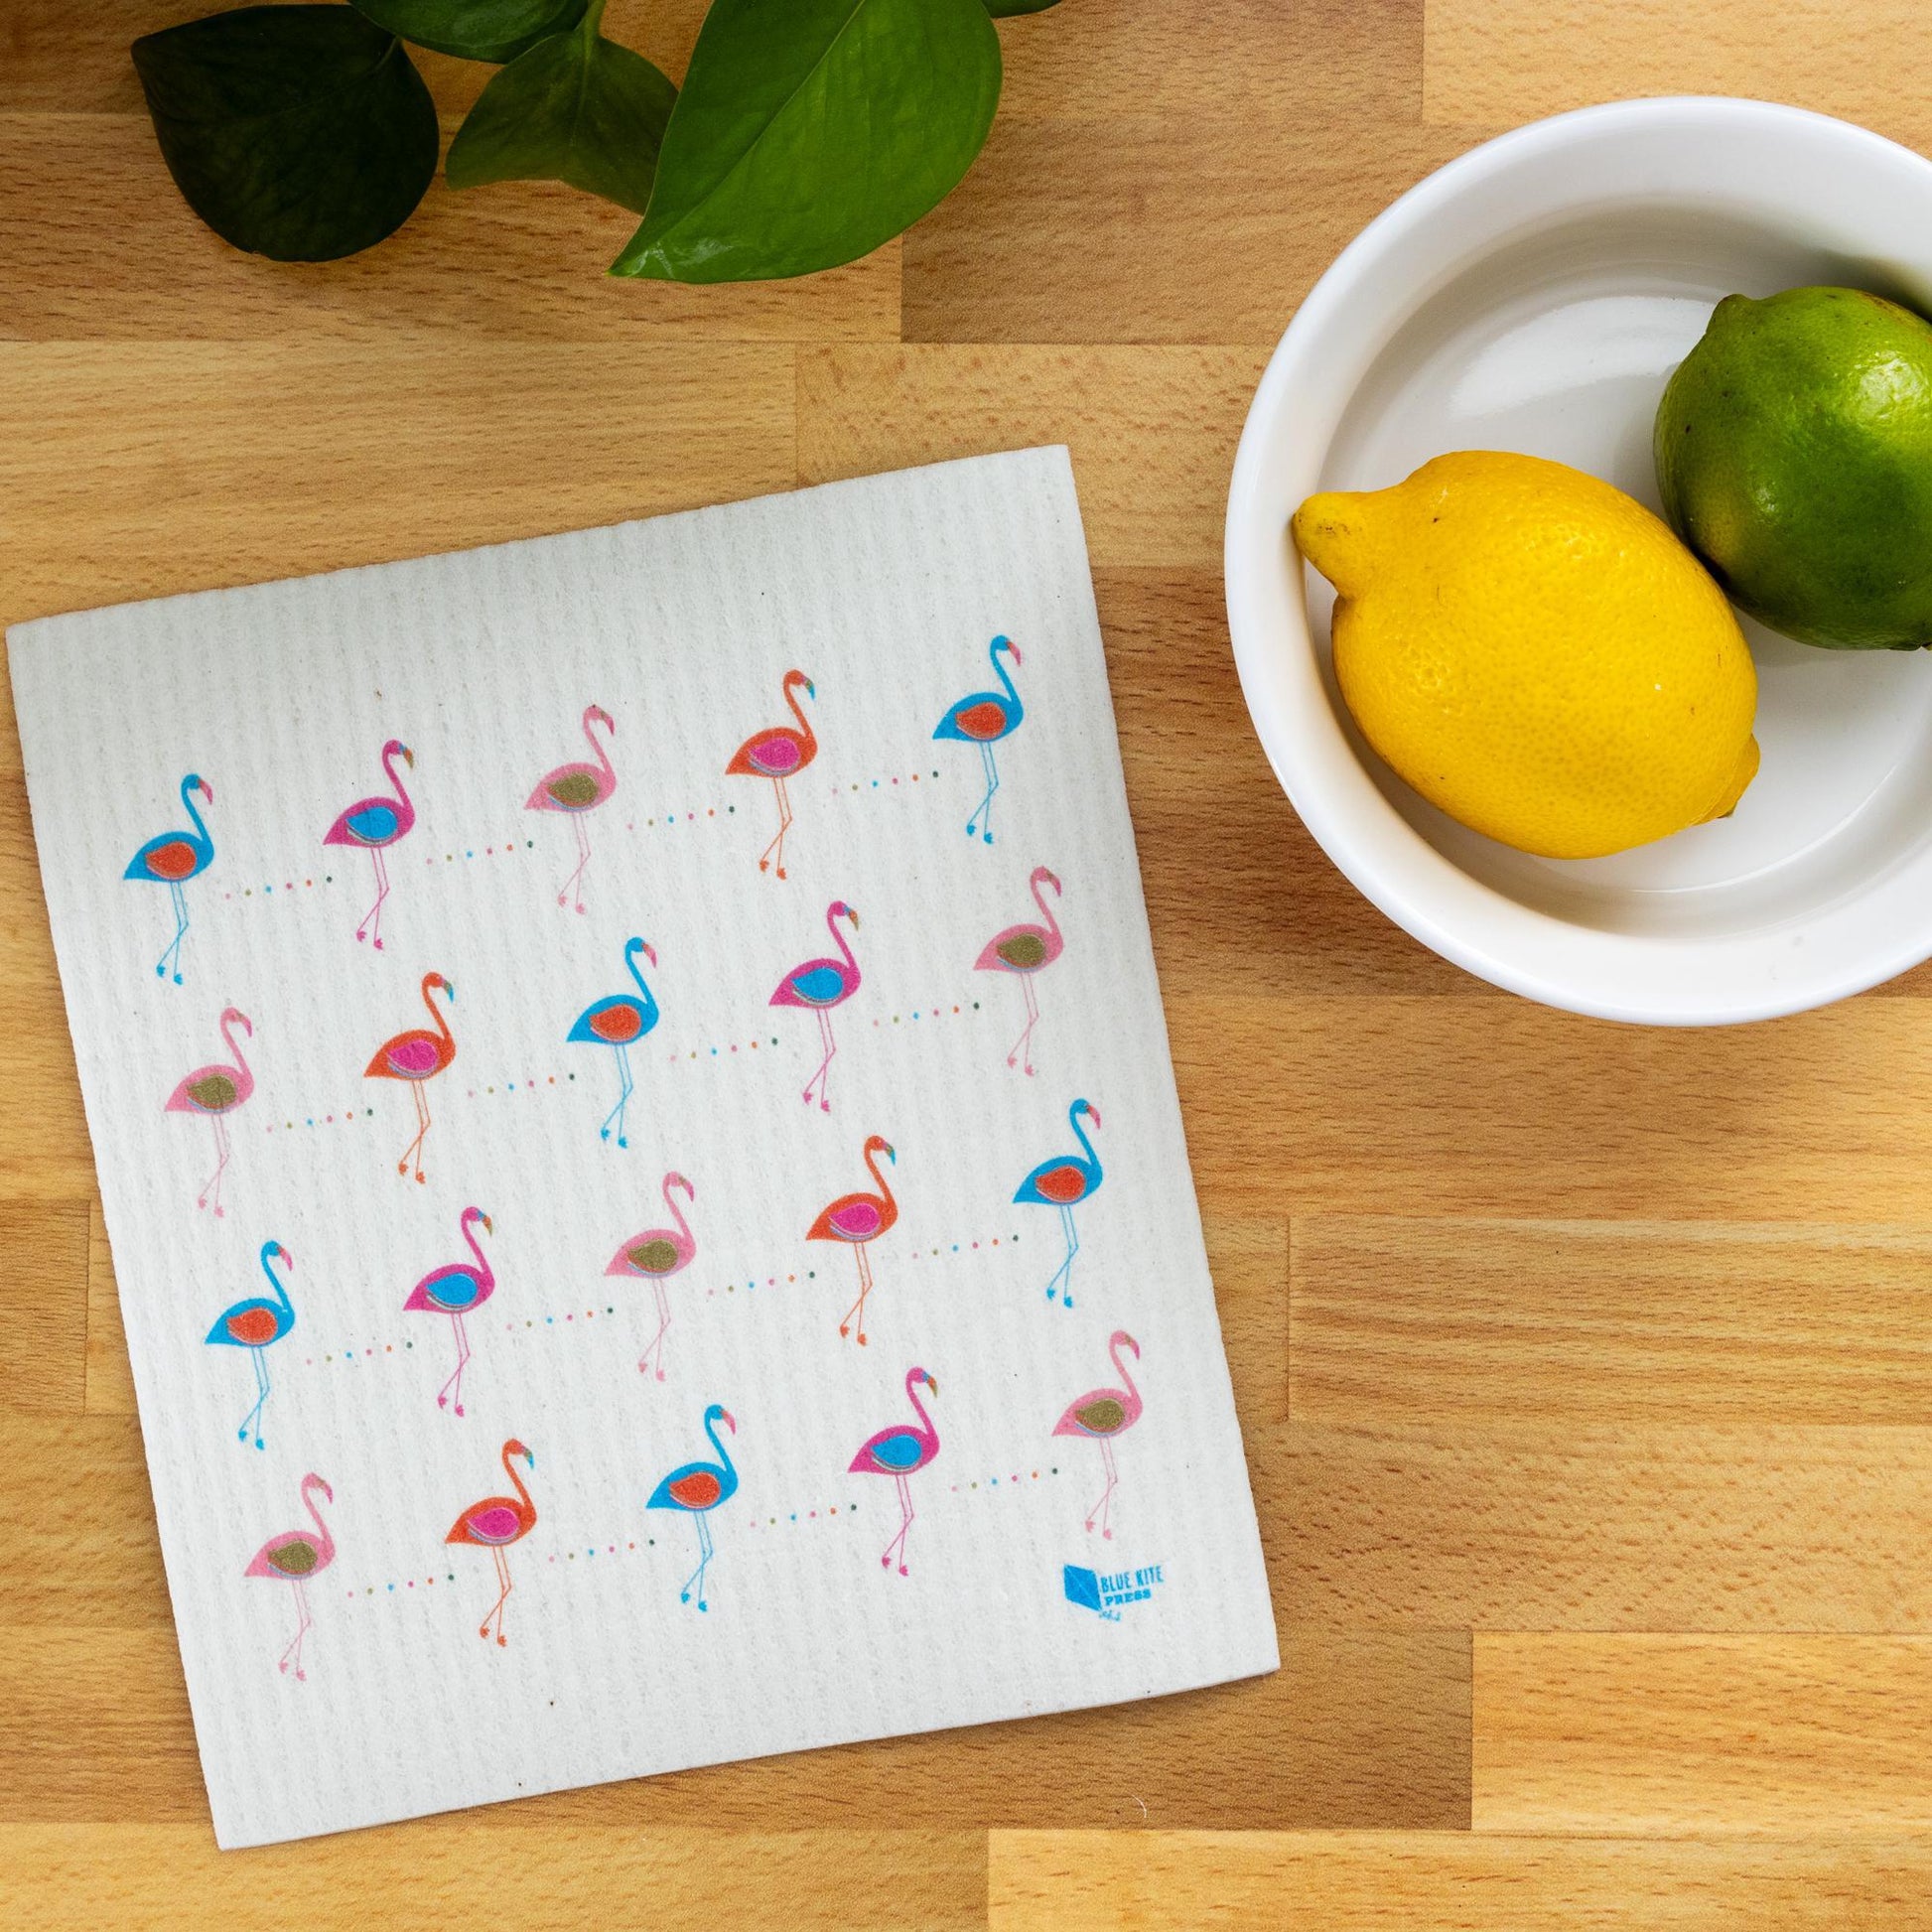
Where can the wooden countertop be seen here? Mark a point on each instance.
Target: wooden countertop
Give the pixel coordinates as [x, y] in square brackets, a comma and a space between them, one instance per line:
[1586, 1372]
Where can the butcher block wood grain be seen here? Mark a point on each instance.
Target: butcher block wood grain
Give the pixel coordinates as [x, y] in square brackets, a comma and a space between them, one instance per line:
[1586, 1373]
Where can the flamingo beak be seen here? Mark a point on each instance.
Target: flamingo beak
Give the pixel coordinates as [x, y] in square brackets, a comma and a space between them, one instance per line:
[730, 1422]
[530, 1456]
[288, 1260]
[489, 1224]
[932, 1383]
[1095, 1112]
[1015, 648]
[449, 987]
[208, 791]
[811, 689]
[852, 917]
[891, 1154]
[409, 757]
[651, 953]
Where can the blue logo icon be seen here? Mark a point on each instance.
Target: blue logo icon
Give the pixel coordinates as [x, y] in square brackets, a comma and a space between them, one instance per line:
[1106, 1592]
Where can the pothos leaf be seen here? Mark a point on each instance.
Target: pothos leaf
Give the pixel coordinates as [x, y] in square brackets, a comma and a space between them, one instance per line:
[475, 30]
[298, 132]
[810, 131]
[576, 109]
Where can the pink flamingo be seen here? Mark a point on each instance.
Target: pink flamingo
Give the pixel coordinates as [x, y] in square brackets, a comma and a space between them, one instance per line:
[779, 754]
[1024, 950]
[456, 1290]
[372, 825]
[897, 1452]
[493, 1525]
[214, 1092]
[655, 1256]
[575, 790]
[860, 1218]
[292, 1558]
[1101, 1415]
[417, 1056]
[821, 985]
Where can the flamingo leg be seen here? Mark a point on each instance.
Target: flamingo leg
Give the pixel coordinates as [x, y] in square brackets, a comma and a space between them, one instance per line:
[254, 1418]
[372, 923]
[573, 888]
[1024, 1045]
[657, 1343]
[452, 1390]
[626, 1087]
[777, 849]
[211, 1188]
[171, 956]
[905, 1524]
[1063, 1274]
[1101, 1506]
[502, 1597]
[819, 1078]
[695, 1582]
[857, 1311]
[291, 1650]
[414, 1151]
[981, 819]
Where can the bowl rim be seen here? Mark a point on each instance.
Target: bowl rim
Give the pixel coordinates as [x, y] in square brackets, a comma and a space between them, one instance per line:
[1524, 950]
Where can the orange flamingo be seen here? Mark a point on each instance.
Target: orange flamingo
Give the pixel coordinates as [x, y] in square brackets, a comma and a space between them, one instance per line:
[1024, 950]
[779, 754]
[417, 1056]
[575, 789]
[860, 1218]
[494, 1524]
[214, 1092]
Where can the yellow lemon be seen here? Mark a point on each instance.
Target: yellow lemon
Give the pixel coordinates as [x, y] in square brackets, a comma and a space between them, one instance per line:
[1536, 654]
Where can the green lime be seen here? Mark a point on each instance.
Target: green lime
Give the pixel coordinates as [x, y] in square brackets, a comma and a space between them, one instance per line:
[1794, 454]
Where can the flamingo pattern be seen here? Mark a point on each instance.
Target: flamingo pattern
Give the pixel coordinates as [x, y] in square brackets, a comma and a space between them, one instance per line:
[257, 1325]
[417, 1056]
[1103, 1415]
[456, 1290]
[373, 825]
[779, 754]
[1024, 950]
[697, 1488]
[575, 789]
[984, 718]
[900, 1451]
[292, 1558]
[859, 1219]
[819, 985]
[619, 1022]
[655, 1256]
[214, 1092]
[1064, 1183]
[171, 859]
[494, 1524]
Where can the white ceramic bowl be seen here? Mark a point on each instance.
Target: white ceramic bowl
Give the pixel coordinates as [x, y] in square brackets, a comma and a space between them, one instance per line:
[1535, 295]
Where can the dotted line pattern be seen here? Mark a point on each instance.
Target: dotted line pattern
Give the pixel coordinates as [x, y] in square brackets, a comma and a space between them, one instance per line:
[268, 889]
[590, 1551]
[350, 1354]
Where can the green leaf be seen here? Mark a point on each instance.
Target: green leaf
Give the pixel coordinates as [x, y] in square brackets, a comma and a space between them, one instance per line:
[301, 133]
[576, 108]
[1006, 9]
[476, 30]
[810, 131]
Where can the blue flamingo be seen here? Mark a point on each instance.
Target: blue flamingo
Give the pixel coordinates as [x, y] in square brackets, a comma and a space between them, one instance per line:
[1064, 1183]
[698, 1488]
[619, 1023]
[171, 859]
[256, 1324]
[983, 719]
